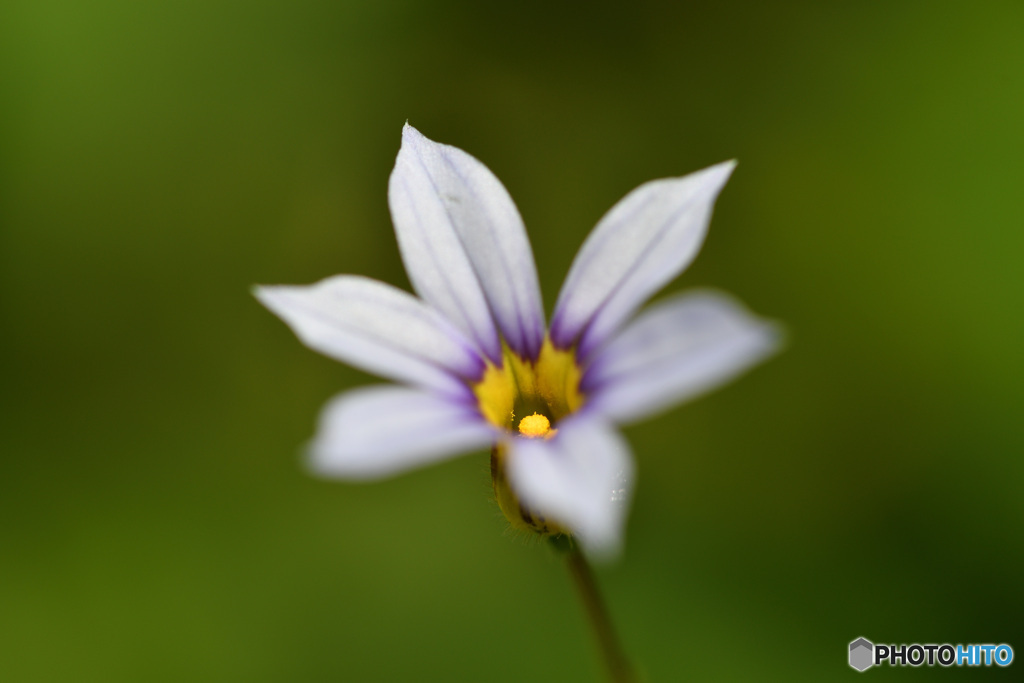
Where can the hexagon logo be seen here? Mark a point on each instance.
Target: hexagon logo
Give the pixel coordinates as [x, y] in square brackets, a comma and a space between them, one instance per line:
[862, 654]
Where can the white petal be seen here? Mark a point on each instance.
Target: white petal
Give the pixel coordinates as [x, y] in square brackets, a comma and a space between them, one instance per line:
[673, 351]
[641, 244]
[464, 245]
[377, 431]
[378, 328]
[582, 477]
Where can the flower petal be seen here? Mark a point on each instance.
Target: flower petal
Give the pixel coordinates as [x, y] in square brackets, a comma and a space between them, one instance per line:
[673, 351]
[378, 328]
[464, 245]
[377, 431]
[641, 244]
[582, 478]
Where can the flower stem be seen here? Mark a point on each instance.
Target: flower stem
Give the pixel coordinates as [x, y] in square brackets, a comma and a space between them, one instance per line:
[619, 670]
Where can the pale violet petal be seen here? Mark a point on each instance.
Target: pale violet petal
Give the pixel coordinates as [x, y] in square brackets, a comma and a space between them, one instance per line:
[673, 351]
[464, 245]
[582, 478]
[377, 328]
[641, 244]
[377, 431]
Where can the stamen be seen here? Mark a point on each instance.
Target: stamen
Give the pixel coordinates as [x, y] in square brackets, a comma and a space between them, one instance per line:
[536, 425]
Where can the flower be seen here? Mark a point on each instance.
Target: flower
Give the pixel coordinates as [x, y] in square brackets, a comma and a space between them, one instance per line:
[477, 364]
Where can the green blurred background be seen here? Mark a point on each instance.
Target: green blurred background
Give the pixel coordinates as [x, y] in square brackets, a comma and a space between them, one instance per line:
[157, 159]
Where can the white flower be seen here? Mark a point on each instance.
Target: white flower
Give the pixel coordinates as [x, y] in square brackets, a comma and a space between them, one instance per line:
[480, 369]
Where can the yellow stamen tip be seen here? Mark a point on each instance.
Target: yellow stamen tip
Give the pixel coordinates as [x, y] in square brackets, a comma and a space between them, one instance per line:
[535, 425]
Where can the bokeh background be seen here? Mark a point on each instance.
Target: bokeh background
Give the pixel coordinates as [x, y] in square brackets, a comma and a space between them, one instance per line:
[159, 158]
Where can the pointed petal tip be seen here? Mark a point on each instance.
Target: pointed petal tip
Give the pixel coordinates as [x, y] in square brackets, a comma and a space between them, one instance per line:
[718, 174]
[263, 291]
[268, 295]
[411, 135]
[775, 336]
[278, 299]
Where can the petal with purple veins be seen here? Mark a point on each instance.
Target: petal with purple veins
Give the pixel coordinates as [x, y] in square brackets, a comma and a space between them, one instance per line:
[464, 245]
[378, 431]
[378, 328]
[582, 478]
[642, 243]
[673, 351]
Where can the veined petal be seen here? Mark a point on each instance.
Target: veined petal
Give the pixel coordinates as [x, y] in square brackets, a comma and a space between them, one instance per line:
[673, 351]
[378, 431]
[641, 244]
[464, 245]
[582, 478]
[378, 328]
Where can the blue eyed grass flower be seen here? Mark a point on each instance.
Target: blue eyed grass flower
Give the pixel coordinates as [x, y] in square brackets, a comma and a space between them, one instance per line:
[478, 367]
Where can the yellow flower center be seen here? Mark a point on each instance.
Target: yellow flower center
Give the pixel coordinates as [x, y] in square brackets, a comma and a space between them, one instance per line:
[537, 394]
[547, 388]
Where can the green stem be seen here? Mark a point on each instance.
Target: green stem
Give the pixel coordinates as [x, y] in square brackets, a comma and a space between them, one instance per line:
[619, 670]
